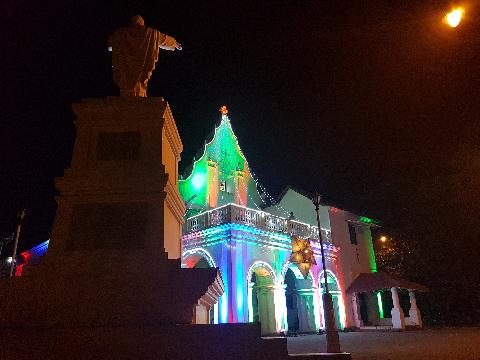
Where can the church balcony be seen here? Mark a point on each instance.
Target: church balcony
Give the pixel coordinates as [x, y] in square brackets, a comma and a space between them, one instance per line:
[236, 214]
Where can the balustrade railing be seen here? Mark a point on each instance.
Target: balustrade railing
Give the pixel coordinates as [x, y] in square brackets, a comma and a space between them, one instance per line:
[232, 213]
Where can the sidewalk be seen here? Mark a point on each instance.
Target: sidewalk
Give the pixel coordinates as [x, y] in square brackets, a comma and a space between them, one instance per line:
[439, 344]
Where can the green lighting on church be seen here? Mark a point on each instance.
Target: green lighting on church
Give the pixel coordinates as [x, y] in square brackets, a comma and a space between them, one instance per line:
[198, 180]
[221, 175]
[367, 220]
[380, 304]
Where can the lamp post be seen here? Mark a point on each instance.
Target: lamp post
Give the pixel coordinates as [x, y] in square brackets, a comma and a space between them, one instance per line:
[333, 342]
[21, 215]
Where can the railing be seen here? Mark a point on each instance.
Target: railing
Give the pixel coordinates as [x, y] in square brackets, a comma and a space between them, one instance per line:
[236, 214]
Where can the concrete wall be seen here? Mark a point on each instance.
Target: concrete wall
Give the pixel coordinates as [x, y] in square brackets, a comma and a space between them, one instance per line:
[174, 207]
[352, 259]
[172, 234]
[169, 159]
[237, 250]
[302, 208]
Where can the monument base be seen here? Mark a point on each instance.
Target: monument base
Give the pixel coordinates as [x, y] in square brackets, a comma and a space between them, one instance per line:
[229, 341]
[110, 297]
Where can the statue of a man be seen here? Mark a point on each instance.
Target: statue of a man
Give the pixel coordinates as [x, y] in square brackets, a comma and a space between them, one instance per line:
[134, 54]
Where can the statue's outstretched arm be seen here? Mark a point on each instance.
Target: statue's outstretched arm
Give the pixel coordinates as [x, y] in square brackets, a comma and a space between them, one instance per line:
[170, 44]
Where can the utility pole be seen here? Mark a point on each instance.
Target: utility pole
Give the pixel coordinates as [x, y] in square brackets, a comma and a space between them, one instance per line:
[21, 216]
[333, 342]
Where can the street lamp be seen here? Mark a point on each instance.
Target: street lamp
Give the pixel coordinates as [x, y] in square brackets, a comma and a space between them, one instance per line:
[333, 342]
[453, 18]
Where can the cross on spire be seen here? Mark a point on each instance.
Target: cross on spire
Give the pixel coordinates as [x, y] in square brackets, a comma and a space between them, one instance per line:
[224, 110]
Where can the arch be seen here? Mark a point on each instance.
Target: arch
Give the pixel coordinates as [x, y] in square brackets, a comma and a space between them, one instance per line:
[330, 276]
[300, 299]
[201, 252]
[262, 281]
[261, 264]
[290, 265]
[337, 296]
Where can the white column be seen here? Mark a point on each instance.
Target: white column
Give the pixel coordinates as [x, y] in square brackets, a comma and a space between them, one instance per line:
[262, 313]
[266, 310]
[280, 308]
[398, 318]
[272, 326]
[250, 301]
[322, 309]
[215, 313]
[356, 311]
[316, 308]
[414, 313]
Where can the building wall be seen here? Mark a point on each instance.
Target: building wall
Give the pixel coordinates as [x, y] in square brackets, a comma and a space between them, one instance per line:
[169, 159]
[172, 232]
[302, 208]
[222, 176]
[238, 250]
[174, 208]
[353, 259]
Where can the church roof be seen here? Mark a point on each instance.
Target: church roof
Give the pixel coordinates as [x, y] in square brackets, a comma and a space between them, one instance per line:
[381, 280]
[221, 159]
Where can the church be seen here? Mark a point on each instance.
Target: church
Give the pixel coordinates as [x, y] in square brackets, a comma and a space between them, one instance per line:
[232, 223]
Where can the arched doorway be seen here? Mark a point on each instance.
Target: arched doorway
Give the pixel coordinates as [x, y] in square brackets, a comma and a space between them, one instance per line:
[261, 305]
[199, 258]
[301, 301]
[291, 302]
[336, 292]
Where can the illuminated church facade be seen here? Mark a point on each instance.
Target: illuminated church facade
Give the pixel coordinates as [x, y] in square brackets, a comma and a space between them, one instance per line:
[232, 223]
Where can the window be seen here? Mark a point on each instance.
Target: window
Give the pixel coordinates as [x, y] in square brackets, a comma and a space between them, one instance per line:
[353, 234]
[223, 185]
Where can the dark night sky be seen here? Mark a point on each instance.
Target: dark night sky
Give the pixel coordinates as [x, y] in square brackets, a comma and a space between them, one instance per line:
[374, 103]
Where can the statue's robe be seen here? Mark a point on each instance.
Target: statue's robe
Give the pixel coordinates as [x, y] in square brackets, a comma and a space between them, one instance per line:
[134, 54]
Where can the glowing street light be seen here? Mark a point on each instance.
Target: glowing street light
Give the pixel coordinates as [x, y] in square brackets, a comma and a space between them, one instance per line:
[383, 238]
[453, 18]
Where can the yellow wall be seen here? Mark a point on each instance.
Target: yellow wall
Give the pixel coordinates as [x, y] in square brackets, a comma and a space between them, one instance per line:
[172, 234]
[169, 160]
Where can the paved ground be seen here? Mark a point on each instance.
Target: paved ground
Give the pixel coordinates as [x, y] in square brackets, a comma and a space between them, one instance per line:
[441, 344]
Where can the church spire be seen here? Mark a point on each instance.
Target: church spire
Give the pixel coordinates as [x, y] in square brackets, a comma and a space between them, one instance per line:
[224, 111]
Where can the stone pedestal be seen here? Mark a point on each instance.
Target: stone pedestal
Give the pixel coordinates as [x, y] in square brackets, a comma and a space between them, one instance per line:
[119, 213]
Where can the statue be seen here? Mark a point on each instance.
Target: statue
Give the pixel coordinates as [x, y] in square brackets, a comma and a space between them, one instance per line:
[134, 54]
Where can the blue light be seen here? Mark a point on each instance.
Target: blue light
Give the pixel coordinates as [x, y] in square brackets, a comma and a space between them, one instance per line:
[224, 308]
[240, 300]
